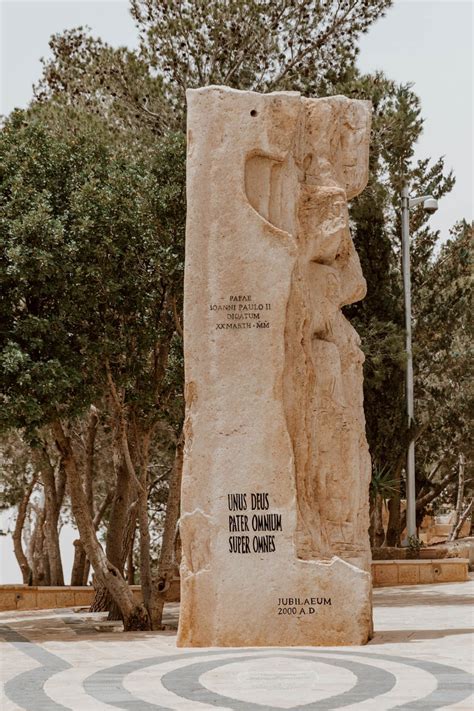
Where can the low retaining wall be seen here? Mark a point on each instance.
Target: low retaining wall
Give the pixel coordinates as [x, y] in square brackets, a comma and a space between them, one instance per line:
[386, 573]
[23, 597]
[462, 548]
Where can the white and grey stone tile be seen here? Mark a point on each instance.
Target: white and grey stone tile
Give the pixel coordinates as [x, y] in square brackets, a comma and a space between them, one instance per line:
[419, 659]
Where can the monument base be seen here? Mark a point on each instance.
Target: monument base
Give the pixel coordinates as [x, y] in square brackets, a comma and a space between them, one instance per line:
[309, 604]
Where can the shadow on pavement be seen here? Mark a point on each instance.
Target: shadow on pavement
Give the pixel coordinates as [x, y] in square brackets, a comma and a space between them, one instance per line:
[410, 597]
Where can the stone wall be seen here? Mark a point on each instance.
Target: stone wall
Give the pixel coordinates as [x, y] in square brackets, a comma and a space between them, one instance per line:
[24, 597]
[386, 573]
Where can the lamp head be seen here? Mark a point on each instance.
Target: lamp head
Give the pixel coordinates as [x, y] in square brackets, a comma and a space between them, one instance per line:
[430, 204]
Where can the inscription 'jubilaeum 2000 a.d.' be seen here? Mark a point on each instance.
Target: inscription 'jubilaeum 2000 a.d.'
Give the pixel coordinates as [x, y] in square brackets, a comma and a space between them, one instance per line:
[301, 606]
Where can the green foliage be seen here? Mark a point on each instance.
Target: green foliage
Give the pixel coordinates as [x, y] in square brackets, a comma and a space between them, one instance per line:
[249, 44]
[414, 546]
[382, 484]
[116, 84]
[376, 230]
[17, 467]
[444, 334]
[92, 253]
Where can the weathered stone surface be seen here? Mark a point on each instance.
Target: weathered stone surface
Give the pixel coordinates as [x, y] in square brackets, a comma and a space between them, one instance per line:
[275, 485]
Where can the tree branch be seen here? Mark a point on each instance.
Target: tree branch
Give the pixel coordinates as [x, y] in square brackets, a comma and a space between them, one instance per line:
[179, 328]
[120, 408]
[431, 496]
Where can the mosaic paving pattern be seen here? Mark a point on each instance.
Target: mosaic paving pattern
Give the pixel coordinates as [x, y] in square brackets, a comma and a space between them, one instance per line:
[241, 680]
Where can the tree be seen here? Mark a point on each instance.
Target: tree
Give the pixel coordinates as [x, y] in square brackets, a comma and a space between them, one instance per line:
[382, 488]
[376, 230]
[263, 46]
[19, 479]
[305, 45]
[116, 84]
[443, 334]
[92, 250]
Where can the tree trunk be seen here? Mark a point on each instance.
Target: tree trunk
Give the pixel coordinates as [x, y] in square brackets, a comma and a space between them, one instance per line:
[115, 529]
[459, 498]
[102, 600]
[39, 555]
[44, 564]
[130, 563]
[167, 564]
[90, 451]
[30, 553]
[141, 451]
[118, 517]
[129, 539]
[79, 564]
[144, 544]
[60, 481]
[86, 571]
[135, 616]
[127, 544]
[54, 483]
[462, 518]
[52, 509]
[143, 524]
[394, 527]
[22, 560]
[377, 533]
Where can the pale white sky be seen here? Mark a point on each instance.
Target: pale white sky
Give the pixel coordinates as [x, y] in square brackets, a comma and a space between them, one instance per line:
[430, 43]
[10, 573]
[427, 42]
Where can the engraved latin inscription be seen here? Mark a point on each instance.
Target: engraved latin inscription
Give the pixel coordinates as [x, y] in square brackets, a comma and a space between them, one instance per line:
[252, 523]
[240, 312]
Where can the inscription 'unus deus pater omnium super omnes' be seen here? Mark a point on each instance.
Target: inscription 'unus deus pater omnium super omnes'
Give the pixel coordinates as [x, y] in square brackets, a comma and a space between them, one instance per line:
[241, 312]
[258, 521]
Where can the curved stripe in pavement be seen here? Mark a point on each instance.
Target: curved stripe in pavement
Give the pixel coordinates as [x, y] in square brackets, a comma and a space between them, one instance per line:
[371, 682]
[26, 689]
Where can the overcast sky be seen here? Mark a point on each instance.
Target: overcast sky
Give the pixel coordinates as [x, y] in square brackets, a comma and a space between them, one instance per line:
[427, 42]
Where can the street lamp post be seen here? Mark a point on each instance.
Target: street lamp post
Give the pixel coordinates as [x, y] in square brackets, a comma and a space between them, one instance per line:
[430, 205]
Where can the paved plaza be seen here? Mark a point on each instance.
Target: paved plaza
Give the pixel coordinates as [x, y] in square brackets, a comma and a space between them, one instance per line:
[420, 658]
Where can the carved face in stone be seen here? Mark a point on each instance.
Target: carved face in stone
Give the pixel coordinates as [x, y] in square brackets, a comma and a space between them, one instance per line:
[333, 271]
[333, 169]
[305, 195]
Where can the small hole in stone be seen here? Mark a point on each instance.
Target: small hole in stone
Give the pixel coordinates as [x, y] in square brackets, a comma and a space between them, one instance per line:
[253, 112]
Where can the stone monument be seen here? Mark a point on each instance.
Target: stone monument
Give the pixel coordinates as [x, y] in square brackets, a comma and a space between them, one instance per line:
[274, 519]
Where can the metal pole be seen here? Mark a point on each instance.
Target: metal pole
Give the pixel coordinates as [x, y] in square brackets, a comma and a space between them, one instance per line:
[411, 490]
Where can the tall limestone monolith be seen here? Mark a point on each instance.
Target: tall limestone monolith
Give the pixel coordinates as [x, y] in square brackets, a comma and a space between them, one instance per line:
[274, 520]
